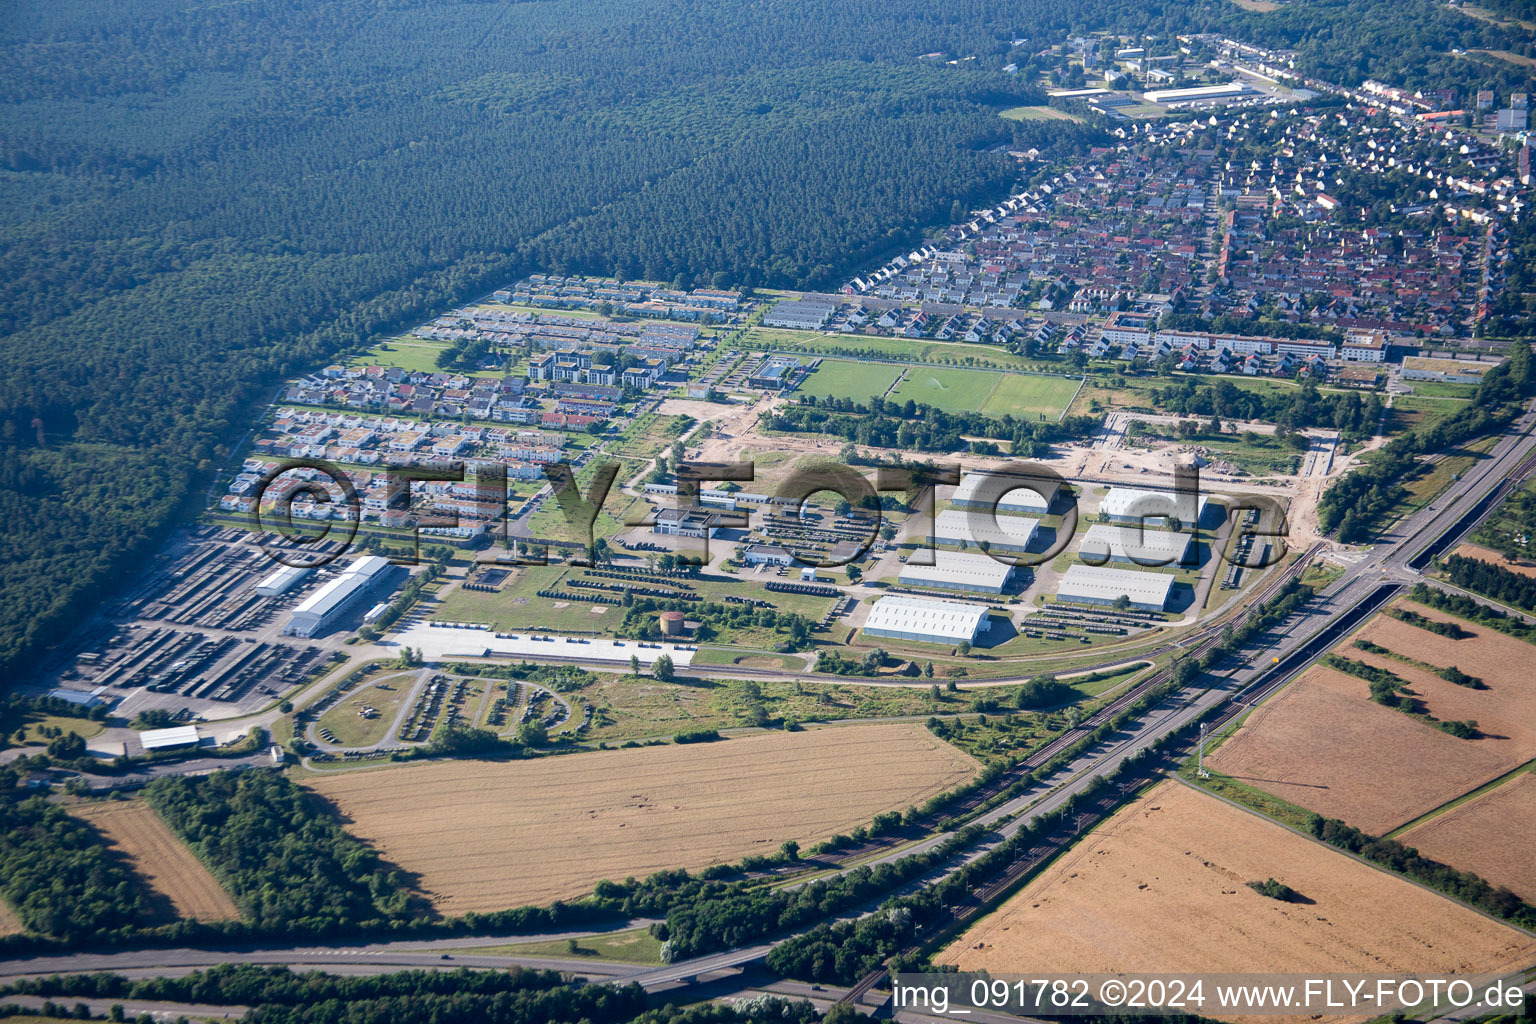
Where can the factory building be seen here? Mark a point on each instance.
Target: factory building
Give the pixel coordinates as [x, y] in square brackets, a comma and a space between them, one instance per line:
[1230, 90]
[1084, 584]
[321, 609]
[1109, 542]
[1031, 496]
[925, 620]
[280, 581]
[1134, 505]
[169, 739]
[1008, 535]
[958, 570]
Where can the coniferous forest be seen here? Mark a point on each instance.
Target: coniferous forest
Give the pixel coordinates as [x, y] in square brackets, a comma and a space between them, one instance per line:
[199, 199]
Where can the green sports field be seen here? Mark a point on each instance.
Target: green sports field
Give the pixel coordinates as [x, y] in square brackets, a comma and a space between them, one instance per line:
[1029, 397]
[995, 394]
[840, 378]
[950, 390]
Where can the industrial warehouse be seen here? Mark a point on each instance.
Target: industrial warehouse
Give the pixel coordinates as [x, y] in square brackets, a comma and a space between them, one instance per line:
[280, 581]
[958, 570]
[925, 620]
[1110, 542]
[1003, 534]
[1086, 584]
[325, 606]
[1135, 505]
[1030, 496]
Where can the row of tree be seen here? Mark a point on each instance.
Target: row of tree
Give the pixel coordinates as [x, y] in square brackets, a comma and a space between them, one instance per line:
[1358, 502]
[1493, 581]
[913, 427]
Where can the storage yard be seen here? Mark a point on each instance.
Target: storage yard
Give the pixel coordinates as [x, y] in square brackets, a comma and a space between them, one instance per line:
[201, 636]
[483, 836]
[1163, 887]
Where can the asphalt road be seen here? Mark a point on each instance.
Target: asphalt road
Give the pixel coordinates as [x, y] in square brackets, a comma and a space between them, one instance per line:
[1389, 563]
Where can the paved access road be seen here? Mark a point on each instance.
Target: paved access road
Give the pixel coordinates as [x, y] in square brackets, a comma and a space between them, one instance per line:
[1264, 671]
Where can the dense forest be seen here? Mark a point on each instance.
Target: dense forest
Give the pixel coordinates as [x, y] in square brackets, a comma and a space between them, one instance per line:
[287, 863]
[1494, 581]
[199, 199]
[57, 874]
[1350, 413]
[513, 996]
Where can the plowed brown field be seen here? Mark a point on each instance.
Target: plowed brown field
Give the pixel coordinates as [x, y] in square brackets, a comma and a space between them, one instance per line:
[169, 870]
[1488, 836]
[1162, 887]
[483, 836]
[10, 924]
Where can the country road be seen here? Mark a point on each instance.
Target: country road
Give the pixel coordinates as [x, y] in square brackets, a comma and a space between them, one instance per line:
[1261, 670]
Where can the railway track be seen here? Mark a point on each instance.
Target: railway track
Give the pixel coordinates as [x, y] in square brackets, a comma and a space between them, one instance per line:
[1254, 692]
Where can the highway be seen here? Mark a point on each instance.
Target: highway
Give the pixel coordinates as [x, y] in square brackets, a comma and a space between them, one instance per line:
[1280, 654]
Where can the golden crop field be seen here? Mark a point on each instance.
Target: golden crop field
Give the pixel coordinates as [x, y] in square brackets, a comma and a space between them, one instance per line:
[489, 835]
[1323, 745]
[171, 872]
[1163, 887]
[10, 924]
[1489, 835]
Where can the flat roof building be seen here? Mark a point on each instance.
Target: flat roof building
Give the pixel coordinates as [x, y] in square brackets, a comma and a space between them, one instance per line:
[766, 554]
[1135, 505]
[959, 570]
[1113, 542]
[1029, 496]
[687, 522]
[81, 698]
[324, 606]
[1200, 92]
[925, 620]
[165, 739]
[281, 580]
[975, 529]
[1127, 328]
[1364, 347]
[773, 373]
[802, 315]
[1086, 584]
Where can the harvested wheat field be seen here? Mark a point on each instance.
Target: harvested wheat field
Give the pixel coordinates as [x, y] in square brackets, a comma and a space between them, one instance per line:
[1505, 711]
[1322, 744]
[175, 877]
[1488, 836]
[10, 924]
[484, 836]
[1162, 887]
